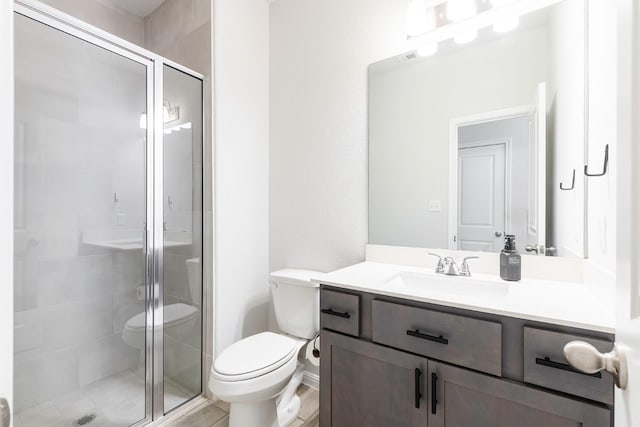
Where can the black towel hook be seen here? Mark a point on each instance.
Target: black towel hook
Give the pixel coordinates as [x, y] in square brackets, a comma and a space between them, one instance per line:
[573, 182]
[606, 164]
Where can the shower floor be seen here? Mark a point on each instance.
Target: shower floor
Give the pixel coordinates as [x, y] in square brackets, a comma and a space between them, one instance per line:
[116, 401]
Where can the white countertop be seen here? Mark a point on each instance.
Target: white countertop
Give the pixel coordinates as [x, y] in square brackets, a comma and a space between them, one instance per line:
[561, 303]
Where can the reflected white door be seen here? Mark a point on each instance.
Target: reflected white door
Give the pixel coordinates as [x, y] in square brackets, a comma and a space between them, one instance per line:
[537, 205]
[6, 195]
[481, 197]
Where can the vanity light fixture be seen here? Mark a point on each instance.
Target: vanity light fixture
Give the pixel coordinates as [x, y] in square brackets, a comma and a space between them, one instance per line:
[506, 24]
[427, 49]
[417, 22]
[458, 10]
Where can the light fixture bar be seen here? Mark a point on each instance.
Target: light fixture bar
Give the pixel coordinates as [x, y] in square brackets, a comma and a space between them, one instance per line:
[484, 18]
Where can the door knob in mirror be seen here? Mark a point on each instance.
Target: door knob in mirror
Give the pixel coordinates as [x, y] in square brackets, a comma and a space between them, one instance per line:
[498, 234]
[586, 358]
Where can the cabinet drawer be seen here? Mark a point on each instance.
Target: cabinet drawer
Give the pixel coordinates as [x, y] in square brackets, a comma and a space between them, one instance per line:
[546, 366]
[464, 341]
[340, 312]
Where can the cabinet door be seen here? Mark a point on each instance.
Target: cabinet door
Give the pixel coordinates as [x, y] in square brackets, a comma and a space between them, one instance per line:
[365, 384]
[470, 399]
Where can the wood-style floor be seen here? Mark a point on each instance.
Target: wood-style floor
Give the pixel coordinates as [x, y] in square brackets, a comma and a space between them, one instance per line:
[216, 414]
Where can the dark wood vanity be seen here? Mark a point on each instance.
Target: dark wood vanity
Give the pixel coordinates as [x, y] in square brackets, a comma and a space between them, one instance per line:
[396, 362]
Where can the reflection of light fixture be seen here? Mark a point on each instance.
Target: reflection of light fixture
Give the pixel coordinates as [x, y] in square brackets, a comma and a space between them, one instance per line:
[465, 36]
[419, 19]
[177, 128]
[427, 49]
[507, 24]
[170, 114]
[457, 10]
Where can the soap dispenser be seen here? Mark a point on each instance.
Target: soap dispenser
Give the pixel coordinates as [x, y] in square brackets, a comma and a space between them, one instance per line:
[510, 262]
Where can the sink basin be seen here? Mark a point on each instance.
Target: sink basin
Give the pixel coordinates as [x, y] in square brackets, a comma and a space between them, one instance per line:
[447, 285]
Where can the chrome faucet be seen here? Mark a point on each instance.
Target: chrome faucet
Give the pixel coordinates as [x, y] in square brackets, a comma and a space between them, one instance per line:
[448, 266]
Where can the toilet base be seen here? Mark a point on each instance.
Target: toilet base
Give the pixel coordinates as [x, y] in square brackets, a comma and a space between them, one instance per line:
[263, 414]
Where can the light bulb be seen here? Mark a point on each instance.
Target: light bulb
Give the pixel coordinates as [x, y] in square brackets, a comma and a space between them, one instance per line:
[417, 22]
[427, 49]
[507, 24]
[143, 121]
[457, 10]
[465, 36]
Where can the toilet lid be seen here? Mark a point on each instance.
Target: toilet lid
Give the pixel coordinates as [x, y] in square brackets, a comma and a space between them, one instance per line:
[255, 354]
[173, 314]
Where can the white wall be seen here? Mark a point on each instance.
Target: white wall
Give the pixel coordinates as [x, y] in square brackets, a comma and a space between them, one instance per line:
[410, 107]
[603, 116]
[6, 194]
[566, 129]
[241, 87]
[319, 53]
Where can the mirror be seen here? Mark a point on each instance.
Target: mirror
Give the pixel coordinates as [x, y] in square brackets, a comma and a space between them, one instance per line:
[472, 143]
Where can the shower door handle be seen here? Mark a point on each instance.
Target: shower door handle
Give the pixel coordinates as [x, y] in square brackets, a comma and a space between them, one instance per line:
[5, 413]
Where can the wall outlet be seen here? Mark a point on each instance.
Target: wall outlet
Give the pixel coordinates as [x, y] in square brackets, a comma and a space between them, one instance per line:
[435, 206]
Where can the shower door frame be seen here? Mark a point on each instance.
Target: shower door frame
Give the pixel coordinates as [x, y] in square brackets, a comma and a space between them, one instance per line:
[153, 242]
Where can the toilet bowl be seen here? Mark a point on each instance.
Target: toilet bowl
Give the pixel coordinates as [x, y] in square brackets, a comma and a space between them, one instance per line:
[174, 315]
[259, 375]
[178, 314]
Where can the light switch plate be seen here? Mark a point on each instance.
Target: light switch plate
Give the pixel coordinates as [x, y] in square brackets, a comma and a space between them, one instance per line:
[435, 206]
[122, 219]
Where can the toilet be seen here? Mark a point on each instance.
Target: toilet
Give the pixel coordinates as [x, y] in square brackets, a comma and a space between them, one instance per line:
[178, 314]
[259, 375]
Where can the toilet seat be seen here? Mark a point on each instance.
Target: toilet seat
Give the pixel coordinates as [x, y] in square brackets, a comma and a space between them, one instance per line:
[255, 356]
[174, 314]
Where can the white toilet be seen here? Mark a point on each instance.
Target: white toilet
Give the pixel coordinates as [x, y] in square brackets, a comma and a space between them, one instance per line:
[259, 375]
[178, 314]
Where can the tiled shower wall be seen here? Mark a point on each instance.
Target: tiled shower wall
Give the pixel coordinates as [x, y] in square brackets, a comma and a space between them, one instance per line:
[77, 144]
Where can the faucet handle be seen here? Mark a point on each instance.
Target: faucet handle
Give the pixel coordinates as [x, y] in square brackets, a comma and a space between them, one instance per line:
[464, 268]
[440, 266]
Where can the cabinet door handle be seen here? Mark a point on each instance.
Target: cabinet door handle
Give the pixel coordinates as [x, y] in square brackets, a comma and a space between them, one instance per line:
[416, 391]
[434, 392]
[440, 339]
[331, 312]
[563, 366]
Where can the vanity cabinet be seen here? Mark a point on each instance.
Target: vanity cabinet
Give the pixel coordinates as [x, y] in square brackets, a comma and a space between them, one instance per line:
[372, 385]
[469, 399]
[419, 364]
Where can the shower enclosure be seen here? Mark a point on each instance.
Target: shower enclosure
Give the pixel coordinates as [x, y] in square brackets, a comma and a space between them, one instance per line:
[108, 227]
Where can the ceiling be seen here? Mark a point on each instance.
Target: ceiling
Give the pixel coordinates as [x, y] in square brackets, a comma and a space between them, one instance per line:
[140, 8]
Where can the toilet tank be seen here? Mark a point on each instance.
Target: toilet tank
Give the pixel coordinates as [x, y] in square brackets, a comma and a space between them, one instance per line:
[296, 301]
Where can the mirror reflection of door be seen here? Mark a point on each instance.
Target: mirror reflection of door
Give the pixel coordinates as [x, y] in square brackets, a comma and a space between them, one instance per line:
[536, 221]
[481, 196]
[493, 180]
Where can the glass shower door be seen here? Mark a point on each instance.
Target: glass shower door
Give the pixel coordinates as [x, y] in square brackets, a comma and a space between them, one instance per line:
[182, 212]
[80, 214]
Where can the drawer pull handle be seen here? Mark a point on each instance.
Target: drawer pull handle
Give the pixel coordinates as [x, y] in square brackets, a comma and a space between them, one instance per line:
[434, 392]
[563, 366]
[418, 334]
[416, 392]
[331, 312]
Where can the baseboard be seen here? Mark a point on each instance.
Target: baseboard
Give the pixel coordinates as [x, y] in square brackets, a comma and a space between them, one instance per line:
[312, 380]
